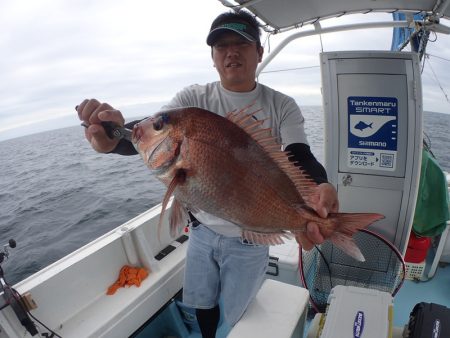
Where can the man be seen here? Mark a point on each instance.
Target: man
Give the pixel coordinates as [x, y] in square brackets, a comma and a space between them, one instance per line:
[219, 262]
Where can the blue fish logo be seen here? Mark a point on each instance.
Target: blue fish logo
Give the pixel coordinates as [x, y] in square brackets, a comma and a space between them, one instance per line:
[361, 125]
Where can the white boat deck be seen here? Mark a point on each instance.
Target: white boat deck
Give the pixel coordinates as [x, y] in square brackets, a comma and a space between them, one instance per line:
[71, 293]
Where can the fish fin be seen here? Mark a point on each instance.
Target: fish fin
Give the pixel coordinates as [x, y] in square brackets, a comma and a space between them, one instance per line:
[239, 116]
[304, 184]
[265, 238]
[348, 245]
[349, 223]
[178, 217]
[346, 225]
[178, 178]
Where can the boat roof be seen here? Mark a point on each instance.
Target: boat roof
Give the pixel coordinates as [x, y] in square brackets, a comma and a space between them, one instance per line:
[281, 15]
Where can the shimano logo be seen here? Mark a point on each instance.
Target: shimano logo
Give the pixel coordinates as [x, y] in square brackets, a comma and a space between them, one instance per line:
[373, 143]
[436, 329]
[358, 325]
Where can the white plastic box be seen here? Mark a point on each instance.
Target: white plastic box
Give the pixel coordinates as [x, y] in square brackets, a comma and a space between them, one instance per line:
[283, 265]
[278, 311]
[359, 313]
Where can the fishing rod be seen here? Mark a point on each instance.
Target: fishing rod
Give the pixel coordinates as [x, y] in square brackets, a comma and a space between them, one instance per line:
[10, 296]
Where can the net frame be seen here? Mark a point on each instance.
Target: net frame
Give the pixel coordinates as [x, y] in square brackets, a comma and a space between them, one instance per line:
[326, 266]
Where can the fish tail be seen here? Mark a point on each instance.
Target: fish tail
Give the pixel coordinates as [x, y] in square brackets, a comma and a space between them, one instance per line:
[346, 225]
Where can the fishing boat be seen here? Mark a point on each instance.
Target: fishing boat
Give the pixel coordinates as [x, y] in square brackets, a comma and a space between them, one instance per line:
[69, 298]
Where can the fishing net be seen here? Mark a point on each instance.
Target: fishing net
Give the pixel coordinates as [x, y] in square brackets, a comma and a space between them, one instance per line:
[326, 266]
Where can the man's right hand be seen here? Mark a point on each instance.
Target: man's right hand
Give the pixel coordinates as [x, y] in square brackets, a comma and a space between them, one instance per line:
[92, 112]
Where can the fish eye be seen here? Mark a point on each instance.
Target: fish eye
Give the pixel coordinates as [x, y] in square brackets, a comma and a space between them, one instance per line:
[158, 124]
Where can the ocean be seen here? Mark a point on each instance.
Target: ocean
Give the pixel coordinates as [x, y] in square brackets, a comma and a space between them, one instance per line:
[57, 194]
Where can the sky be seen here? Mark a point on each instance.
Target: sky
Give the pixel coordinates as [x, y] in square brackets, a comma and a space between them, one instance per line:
[137, 54]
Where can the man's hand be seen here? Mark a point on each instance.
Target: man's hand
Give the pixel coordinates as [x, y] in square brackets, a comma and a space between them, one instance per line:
[324, 200]
[92, 112]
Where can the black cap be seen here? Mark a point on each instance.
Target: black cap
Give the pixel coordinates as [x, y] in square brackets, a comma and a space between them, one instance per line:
[242, 23]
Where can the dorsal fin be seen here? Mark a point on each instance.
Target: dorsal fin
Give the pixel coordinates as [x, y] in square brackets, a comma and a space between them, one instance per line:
[263, 136]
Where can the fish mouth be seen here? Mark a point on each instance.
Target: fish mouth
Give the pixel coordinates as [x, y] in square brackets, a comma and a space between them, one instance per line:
[135, 139]
[136, 135]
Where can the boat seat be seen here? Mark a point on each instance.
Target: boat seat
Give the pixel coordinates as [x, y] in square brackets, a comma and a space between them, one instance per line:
[278, 310]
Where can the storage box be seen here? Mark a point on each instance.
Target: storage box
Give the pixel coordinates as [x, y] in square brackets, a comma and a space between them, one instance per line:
[429, 320]
[283, 263]
[358, 312]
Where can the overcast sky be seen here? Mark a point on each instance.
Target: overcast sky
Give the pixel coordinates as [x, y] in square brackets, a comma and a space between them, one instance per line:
[137, 54]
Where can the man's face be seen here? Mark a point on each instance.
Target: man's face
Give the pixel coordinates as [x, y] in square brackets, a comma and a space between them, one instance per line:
[236, 60]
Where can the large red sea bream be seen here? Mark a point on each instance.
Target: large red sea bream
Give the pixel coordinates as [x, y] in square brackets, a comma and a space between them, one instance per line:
[234, 169]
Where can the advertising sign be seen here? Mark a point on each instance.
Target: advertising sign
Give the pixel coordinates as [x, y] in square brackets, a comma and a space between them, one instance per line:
[372, 132]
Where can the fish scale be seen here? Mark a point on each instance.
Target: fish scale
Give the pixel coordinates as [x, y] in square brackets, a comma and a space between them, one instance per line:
[229, 167]
[233, 191]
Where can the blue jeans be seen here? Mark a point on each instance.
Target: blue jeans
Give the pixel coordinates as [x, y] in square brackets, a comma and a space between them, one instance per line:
[219, 266]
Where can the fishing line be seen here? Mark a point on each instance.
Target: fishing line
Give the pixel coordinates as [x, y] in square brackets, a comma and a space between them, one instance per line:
[438, 57]
[288, 69]
[437, 80]
[435, 37]
[267, 42]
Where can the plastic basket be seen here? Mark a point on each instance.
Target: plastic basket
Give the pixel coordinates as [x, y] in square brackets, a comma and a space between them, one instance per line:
[414, 270]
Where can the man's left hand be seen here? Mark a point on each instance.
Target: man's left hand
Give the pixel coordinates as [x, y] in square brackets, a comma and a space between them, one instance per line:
[324, 200]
